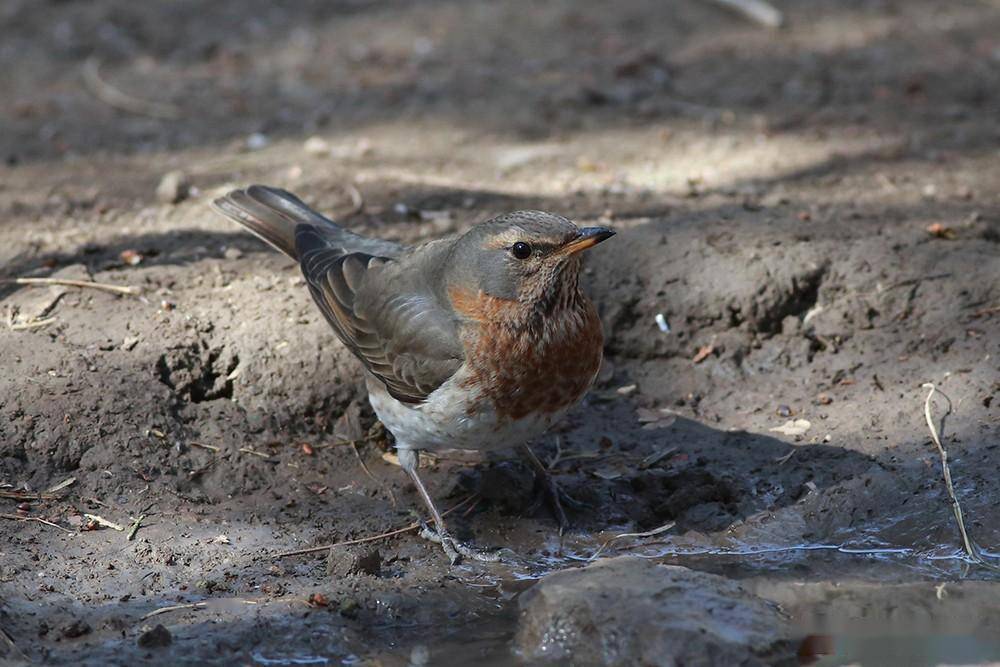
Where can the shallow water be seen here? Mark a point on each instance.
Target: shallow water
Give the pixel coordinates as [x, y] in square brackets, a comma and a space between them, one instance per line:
[854, 604]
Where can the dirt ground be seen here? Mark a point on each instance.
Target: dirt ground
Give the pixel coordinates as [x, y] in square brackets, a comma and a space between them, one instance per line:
[814, 212]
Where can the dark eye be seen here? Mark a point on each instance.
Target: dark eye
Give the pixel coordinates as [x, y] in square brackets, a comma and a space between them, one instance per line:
[521, 250]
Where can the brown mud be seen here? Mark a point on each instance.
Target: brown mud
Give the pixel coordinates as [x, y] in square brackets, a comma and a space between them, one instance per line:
[814, 212]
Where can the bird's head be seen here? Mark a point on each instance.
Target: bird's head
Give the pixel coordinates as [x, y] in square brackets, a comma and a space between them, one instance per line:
[530, 257]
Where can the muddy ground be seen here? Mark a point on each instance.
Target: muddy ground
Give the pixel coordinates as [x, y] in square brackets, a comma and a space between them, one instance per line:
[814, 212]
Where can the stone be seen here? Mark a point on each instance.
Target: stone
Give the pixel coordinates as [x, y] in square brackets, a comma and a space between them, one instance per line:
[158, 637]
[174, 187]
[632, 611]
[348, 561]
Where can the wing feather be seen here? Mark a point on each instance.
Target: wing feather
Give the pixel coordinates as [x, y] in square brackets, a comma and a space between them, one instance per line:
[405, 339]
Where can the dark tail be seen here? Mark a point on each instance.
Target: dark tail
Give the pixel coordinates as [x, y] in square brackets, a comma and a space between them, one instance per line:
[271, 214]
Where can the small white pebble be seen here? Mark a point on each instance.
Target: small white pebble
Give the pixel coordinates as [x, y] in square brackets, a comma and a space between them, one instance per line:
[317, 146]
[256, 141]
[661, 322]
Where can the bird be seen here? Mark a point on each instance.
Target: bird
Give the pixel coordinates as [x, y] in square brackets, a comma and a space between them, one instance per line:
[479, 341]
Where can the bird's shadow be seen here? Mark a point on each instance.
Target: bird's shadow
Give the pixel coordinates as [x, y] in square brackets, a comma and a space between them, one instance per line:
[627, 473]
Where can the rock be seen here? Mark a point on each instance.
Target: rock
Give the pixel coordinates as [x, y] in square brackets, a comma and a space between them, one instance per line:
[631, 611]
[346, 561]
[257, 141]
[158, 637]
[76, 629]
[174, 187]
[317, 146]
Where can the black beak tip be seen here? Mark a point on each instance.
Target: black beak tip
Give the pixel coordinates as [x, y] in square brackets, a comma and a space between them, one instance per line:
[597, 233]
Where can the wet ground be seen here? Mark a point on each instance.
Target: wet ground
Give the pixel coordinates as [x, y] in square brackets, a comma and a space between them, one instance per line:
[811, 214]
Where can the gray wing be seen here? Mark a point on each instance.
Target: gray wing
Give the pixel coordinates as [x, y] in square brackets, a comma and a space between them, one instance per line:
[401, 334]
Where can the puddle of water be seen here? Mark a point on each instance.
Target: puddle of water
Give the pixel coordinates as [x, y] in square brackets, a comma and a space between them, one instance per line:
[290, 661]
[910, 651]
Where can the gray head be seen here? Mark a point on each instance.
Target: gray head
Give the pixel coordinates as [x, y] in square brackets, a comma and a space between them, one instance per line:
[529, 256]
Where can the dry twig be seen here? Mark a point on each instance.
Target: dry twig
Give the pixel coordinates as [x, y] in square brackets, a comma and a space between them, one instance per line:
[13, 647]
[62, 485]
[254, 452]
[176, 607]
[66, 282]
[757, 11]
[373, 538]
[649, 533]
[100, 520]
[357, 201]
[134, 528]
[970, 548]
[27, 495]
[120, 100]
[34, 324]
[15, 517]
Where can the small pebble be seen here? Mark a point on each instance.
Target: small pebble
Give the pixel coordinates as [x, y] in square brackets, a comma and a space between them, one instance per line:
[158, 637]
[317, 146]
[174, 187]
[76, 629]
[256, 141]
[784, 411]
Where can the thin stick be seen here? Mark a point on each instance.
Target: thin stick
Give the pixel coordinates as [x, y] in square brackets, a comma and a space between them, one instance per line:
[558, 456]
[134, 528]
[382, 485]
[967, 542]
[26, 495]
[62, 485]
[66, 282]
[254, 452]
[373, 538]
[650, 533]
[338, 443]
[656, 457]
[757, 11]
[212, 448]
[357, 201]
[97, 518]
[176, 607]
[21, 326]
[15, 517]
[14, 647]
[122, 101]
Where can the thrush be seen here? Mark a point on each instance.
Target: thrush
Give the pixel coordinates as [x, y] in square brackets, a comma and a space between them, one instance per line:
[479, 341]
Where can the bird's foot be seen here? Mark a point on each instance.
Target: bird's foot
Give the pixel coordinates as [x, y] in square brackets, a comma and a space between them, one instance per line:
[456, 550]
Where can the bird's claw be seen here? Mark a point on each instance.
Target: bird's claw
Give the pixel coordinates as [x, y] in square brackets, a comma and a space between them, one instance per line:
[456, 550]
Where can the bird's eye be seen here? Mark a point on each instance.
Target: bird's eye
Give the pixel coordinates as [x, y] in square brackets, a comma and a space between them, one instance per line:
[521, 250]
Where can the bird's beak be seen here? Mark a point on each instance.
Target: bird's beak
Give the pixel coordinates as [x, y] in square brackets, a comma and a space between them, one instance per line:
[588, 237]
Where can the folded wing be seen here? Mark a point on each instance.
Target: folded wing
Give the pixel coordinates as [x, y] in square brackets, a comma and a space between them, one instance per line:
[402, 336]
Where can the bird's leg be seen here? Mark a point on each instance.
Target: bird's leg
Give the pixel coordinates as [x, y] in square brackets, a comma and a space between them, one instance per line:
[550, 488]
[409, 460]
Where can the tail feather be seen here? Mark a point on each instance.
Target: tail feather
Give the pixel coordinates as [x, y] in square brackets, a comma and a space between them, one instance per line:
[263, 211]
[273, 214]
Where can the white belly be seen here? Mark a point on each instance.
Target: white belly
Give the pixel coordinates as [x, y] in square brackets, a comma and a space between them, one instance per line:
[444, 420]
